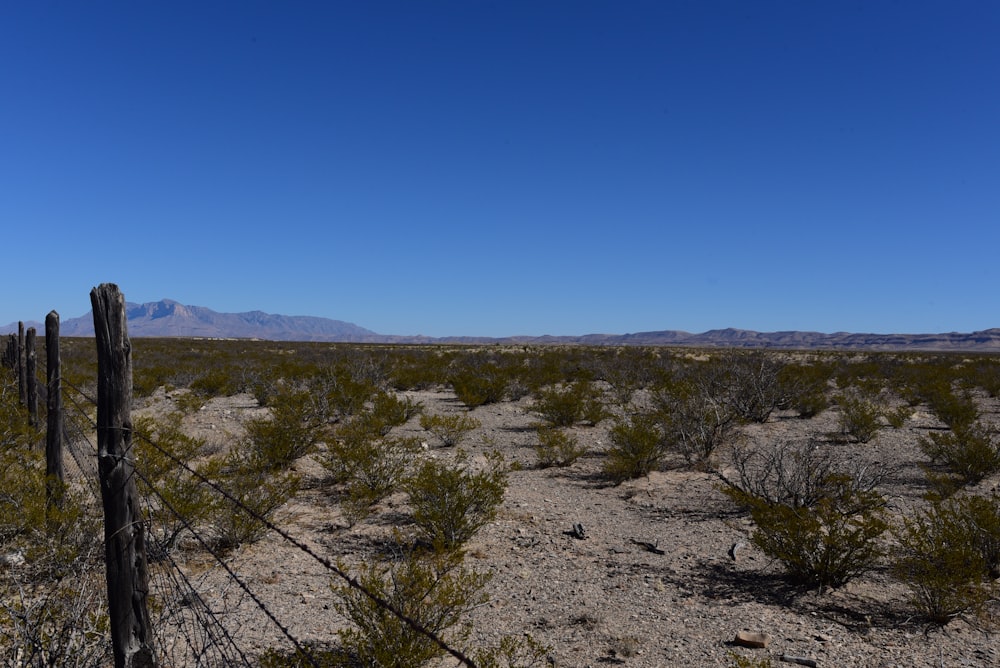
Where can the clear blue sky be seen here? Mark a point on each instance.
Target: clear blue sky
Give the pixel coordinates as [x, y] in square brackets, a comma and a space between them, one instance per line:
[513, 167]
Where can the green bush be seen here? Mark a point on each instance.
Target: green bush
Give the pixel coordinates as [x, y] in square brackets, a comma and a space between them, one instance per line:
[941, 558]
[450, 429]
[176, 500]
[557, 448]
[820, 520]
[970, 452]
[860, 417]
[637, 448]
[53, 596]
[371, 466]
[565, 406]
[803, 388]
[480, 384]
[451, 501]
[392, 411]
[294, 428]
[434, 591]
[897, 417]
[258, 492]
[957, 410]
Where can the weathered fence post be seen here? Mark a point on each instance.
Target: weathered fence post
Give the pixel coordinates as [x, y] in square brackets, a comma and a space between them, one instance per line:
[10, 353]
[30, 379]
[54, 477]
[124, 533]
[22, 391]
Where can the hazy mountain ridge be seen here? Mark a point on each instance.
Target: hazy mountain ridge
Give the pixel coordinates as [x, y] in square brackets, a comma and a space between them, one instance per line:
[170, 318]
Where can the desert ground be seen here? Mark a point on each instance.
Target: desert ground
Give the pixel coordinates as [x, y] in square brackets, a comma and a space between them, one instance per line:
[651, 581]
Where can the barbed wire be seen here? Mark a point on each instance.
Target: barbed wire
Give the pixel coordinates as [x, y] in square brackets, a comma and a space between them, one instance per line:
[207, 619]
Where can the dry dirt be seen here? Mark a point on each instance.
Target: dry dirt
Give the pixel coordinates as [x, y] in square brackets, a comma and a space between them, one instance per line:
[605, 599]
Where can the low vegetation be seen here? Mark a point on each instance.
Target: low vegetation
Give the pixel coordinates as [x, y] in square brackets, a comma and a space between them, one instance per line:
[344, 421]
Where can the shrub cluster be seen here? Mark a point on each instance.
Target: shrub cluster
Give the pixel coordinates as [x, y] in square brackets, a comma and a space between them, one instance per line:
[821, 519]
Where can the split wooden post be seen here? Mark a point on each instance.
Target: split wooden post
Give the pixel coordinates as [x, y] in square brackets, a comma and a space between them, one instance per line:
[124, 532]
[30, 376]
[21, 390]
[10, 353]
[54, 475]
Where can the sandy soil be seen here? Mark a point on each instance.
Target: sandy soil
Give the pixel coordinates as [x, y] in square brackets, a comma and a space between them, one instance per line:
[605, 599]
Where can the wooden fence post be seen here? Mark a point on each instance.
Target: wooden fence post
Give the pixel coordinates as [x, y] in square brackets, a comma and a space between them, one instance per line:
[22, 391]
[54, 476]
[124, 532]
[10, 353]
[30, 378]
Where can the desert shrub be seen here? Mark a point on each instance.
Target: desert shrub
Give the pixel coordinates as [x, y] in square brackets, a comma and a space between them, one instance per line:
[451, 501]
[956, 408]
[941, 559]
[293, 429]
[637, 448]
[970, 452]
[369, 465]
[803, 388]
[981, 516]
[628, 370]
[860, 417]
[52, 590]
[753, 384]
[344, 389]
[434, 591]
[450, 429]
[393, 411]
[696, 413]
[478, 382]
[820, 519]
[986, 374]
[557, 448]
[176, 499]
[216, 382]
[565, 406]
[254, 493]
[897, 417]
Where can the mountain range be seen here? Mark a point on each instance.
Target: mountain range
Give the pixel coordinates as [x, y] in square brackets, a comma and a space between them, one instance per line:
[171, 318]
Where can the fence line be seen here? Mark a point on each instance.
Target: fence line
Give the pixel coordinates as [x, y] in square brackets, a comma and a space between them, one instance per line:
[207, 640]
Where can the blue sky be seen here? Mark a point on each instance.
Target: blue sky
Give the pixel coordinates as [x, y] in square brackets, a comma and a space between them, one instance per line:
[504, 168]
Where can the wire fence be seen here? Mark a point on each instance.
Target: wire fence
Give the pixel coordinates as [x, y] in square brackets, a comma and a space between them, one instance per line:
[194, 605]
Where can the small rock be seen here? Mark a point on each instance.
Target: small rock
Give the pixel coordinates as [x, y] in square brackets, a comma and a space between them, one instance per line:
[752, 639]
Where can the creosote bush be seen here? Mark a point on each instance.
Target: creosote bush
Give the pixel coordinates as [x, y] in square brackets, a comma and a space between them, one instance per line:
[637, 448]
[821, 520]
[565, 406]
[450, 429]
[294, 428]
[557, 448]
[258, 489]
[697, 411]
[860, 417]
[53, 609]
[480, 384]
[369, 465]
[970, 452]
[947, 556]
[452, 501]
[175, 499]
[434, 590]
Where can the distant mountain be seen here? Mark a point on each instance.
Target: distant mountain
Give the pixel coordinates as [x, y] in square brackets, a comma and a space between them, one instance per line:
[170, 318]
[987, 341]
